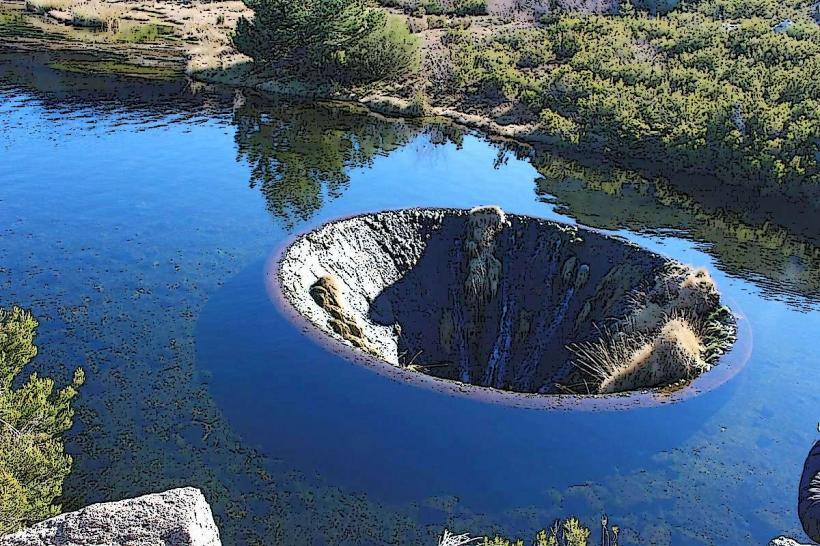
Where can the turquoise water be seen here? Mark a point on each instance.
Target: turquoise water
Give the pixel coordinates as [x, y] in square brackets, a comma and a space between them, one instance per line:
[137, 220]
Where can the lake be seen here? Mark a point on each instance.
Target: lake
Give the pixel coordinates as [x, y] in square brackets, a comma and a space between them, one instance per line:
[138, 218]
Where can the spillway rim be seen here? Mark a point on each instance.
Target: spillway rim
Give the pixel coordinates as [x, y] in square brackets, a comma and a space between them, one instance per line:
[728, 366]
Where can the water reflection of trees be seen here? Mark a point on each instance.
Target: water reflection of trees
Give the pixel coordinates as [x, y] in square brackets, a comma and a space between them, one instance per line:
[300, 155]
[783, 263]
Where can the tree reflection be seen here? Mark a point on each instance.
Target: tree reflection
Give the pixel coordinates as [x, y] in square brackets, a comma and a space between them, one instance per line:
[785, 264]
[300, 155]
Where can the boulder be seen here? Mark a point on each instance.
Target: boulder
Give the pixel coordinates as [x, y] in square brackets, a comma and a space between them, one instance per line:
[785, 541]
[808, 503]
[180, 517]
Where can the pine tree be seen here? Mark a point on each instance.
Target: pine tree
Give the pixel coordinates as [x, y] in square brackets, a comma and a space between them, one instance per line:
[285, 33]
[33, 418]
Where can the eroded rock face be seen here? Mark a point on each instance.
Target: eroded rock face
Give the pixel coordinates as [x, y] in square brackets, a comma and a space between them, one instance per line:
[506, 301]
[180, 517]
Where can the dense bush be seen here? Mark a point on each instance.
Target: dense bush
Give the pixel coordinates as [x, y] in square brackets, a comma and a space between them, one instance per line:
[386, 54]
[441, 7]
[334, 40]
[33, 464]
[729, 97]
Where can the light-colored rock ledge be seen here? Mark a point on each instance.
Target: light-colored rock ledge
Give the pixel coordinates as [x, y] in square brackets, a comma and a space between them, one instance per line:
[178, 517]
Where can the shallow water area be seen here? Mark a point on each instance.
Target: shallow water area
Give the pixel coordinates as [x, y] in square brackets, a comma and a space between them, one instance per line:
[138, 221]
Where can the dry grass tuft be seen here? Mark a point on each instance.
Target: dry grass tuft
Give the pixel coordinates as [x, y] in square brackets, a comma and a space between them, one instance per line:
[44, 6]
[605, 357]
[96, 14]
[212, 48]
[683, 335]
[632, 361]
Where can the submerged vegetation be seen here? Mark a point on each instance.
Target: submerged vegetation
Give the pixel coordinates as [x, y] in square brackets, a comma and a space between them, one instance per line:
[570, 532]
[33, 418]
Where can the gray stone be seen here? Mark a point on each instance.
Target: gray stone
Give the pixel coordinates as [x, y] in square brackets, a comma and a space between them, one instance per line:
[785, 541]
[808, 504]
[783, 26]
[179, 517]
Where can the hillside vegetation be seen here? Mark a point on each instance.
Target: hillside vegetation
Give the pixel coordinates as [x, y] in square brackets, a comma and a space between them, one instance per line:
[724, 88]
[711, 87]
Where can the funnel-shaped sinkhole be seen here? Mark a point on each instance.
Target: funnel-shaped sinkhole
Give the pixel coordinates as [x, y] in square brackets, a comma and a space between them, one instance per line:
[505, 301]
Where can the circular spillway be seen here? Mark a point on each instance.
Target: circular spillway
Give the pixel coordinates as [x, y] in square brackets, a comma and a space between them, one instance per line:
[488, 300]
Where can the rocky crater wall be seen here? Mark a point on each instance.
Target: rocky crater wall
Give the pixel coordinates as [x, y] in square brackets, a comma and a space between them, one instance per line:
[505, 301]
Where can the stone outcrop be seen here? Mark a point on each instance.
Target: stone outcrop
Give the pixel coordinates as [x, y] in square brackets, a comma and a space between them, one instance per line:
[179, 517]
[786, 541]
[499, 300]
[808, 505]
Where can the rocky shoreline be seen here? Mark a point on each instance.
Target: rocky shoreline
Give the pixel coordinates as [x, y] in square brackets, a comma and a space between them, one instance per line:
[178, 517]
[207, 56]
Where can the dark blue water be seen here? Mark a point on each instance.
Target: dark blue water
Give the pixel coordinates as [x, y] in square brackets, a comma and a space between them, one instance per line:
[137, 219]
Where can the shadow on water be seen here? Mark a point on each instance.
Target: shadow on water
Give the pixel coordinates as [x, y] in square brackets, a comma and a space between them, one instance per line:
[785, 265]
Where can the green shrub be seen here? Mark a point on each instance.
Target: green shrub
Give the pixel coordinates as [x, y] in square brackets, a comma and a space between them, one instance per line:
[386, 54]
[655, 7]
[733, 99]
[437, 21]
[332, 40]
[440, 7]
[33, 417]
[470, 7]
[570, 532]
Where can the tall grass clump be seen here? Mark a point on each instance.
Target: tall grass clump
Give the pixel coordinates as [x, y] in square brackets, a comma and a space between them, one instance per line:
[96, 14]
[607, 356]
[631, 360]
[33, 418]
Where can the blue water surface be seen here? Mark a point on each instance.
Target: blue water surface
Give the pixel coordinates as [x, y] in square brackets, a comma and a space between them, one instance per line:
[138, 219]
